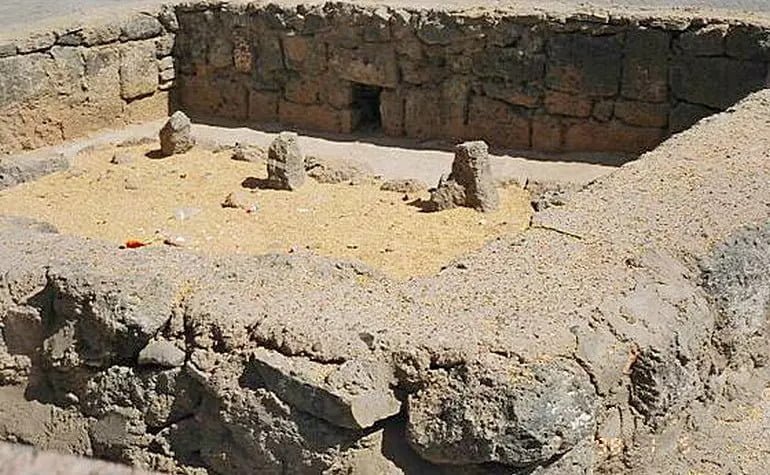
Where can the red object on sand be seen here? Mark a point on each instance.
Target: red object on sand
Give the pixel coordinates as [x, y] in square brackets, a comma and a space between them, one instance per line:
[134, 244]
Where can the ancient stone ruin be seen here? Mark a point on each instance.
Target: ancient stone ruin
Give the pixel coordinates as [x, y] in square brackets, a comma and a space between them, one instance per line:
[624, 331]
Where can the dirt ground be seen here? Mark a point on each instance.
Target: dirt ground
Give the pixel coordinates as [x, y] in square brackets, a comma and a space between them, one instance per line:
[180, 199]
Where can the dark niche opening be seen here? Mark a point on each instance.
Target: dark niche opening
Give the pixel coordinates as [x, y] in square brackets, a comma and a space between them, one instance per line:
[366, 104]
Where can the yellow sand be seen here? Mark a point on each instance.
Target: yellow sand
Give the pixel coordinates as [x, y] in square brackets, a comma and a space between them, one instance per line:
[345, 221]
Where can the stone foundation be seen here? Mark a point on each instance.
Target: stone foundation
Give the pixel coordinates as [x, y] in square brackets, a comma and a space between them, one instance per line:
[61, 84]
[522, 80]
[577, 83]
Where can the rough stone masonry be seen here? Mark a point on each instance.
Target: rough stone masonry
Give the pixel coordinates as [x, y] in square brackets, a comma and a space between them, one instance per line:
[629, 319]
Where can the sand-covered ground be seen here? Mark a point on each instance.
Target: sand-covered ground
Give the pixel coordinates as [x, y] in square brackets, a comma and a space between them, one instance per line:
[180, 199]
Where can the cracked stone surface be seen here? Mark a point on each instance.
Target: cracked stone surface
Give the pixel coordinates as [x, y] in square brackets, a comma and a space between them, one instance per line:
[596, 325]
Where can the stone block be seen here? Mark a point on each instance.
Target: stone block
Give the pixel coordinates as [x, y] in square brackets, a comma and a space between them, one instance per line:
[530, 96]
[645, 65]
[336, 93]
[614, 136]
[684, 115]
[7, 49]
[140, 27]
[355, 394]
[304, 54]
[584, 64]
[38, 41]
[138, 70]
[263, 106]
[303, 90]
[286, 163]
[23, 78]
[67, 71]
[509, 64]
[706, 41]
[102, 70]
[603, 110]
[176, 135]
[422, 115]
[220, 53]
[547, 133]
[498, 123]
[728, 80]
[91, 34]
[392, 112]
[748, 42]
[470, 184]
[644, 114]
[317, 117]
[371, 64]
[560, 103]
[269, 54]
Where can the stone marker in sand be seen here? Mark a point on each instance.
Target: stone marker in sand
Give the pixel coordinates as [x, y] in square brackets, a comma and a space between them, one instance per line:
[285, 162]
[176, 136]
[470, 184]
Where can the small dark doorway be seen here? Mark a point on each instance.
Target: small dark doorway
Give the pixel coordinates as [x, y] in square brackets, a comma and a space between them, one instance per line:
[366, 101]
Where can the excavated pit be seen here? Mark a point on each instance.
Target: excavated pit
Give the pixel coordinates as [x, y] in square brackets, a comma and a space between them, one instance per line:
[622, 328]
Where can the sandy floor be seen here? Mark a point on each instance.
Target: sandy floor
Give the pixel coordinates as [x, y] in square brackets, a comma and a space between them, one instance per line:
[145, 199]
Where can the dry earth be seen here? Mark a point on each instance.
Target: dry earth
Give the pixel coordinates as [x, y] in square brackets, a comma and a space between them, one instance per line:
[145, 200]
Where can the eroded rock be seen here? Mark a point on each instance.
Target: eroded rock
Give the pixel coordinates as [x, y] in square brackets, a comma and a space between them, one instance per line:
[285, 162]
[176, 136]
[470, 184]
[498, 410]
[161, 353]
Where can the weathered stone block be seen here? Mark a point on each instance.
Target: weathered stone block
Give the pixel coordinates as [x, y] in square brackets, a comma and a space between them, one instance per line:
[286, 163]
[38, 41]
[422, 114]
[706, 41]
[530, 96]
[164, 46]
[66, 73]
[584, 64]
[509, 64]
[269, 54]
[684, 115]
[371, 64]
[614, 136]
[748, 42]
[138, 70]
[91, 34]
[242, 57]
[176, 135]
[304, 54]
[355, 394]
[220, 53]
[337, 93]
[317, 117]
[140, 27]
[560, 103]
[470, 184]
[728, 80]
[603, 110]
[530, 414]
[644, 114]
[498, 123]
[102, 70]
[23, 78]
[392, 112]
[645, 65]
[303, 90]
[263, 106]
[547, 133]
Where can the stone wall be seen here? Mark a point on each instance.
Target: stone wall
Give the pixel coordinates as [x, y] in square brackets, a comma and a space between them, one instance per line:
[66, 82]
[581, 83]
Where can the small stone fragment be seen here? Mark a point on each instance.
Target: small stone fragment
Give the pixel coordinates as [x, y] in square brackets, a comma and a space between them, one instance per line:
[176, 136]
[161, 353]
[248, 153]
[240, 199]
[325, 170]
[123, 158]
[470, 184]
[285, 163]
[408, 185]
